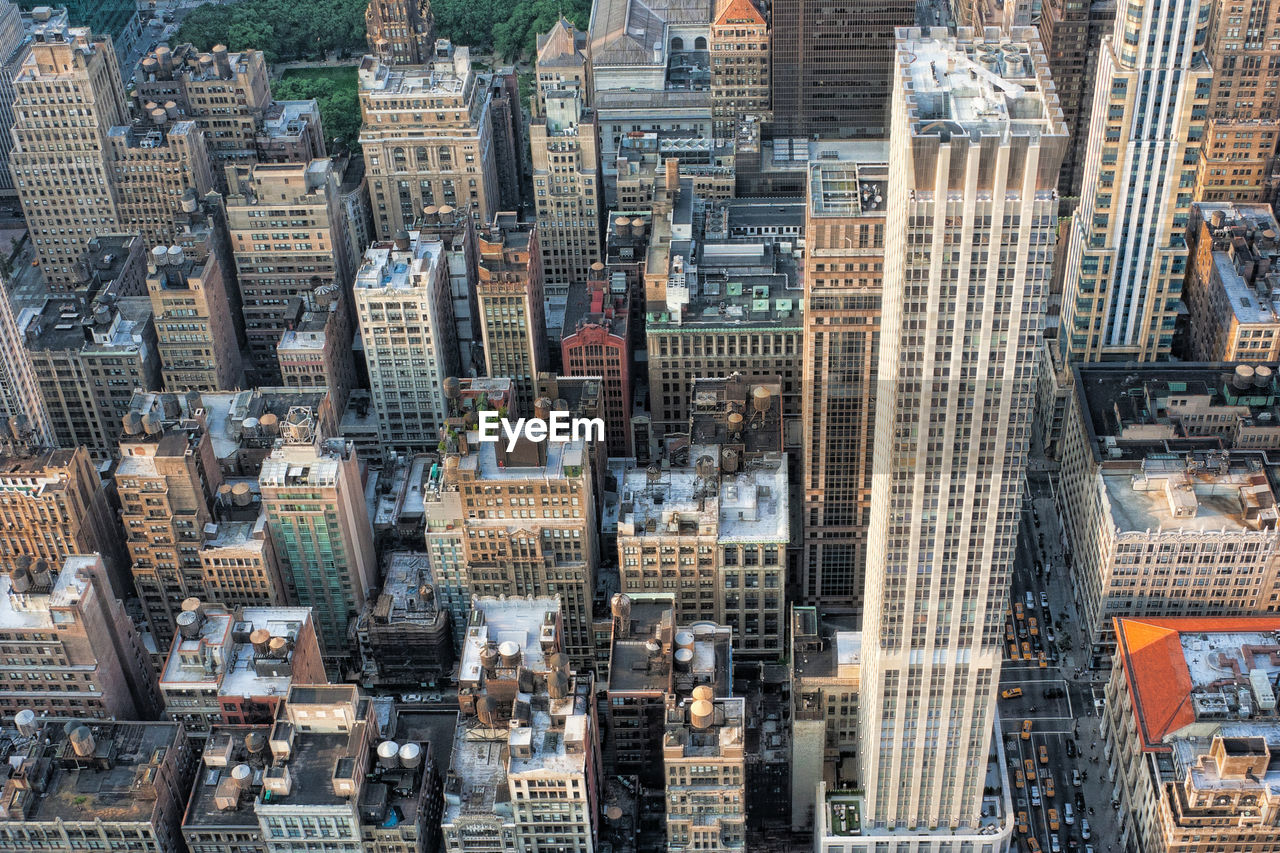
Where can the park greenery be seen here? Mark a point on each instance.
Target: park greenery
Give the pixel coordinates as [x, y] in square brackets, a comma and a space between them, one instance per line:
[314, 30]
[335, 90]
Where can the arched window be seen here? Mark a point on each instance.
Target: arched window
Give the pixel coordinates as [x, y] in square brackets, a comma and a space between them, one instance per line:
[677, 43]
[421, 156]
[700, 43]
[446, 157]
[398, 161]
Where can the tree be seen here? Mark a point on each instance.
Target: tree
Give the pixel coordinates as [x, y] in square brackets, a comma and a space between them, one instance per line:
[284, 30]
[337, 97]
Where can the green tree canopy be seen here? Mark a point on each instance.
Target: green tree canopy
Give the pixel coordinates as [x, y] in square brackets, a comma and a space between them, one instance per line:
[284, 30]
[337, 95]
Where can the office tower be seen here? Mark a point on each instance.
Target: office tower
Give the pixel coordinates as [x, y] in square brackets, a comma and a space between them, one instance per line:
[314, 499]
[1126, 250]
[1160, 486]
[462, 261]
[974, 161]
[55, 505]
[703, 756]
[89, 358]
[74, 630]
[526, 762]
[1239, 145]
[428, 139]
[831, 66]
[1071, 32]
[740, 84]
[12, 51]
[277, 274]
[192, 311]
[231, 666]
[564, 139]
[166, 480]
[843, 288]
[1233, 270]
[405, 633]
[826, 678]
[512, 312]
[405, 311]
[228, 95]
[237, 556]
[716, 304]
[333, 778]
[1196, 775]
[132, 801]
[156, 162]
[714, 533]
[61, 168]
[399, 31]
[596, 342]
[20, 393]
[510, 550]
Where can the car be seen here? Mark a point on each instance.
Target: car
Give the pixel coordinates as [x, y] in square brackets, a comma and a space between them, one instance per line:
[411, 698]
[1035, 795]
[1031, 602]
[1054, 845]
[1026, 730]
[1079, 801]
[1044, 661]
[1033, 846]
[1048, 633]
[1017, 605]
[1018, 779]
[1013, 651]
[1044, 754]
[1068, 814]
[1049, 791]
[1031, 770]
[1054, 825]
[35, 262]
[1011, 693]
[1044, 600]
[1034, 624]
[1084, 827]
[1009, 633]
[1076, 781]
[1022, 823]
[1026, 651]
[1071, 748]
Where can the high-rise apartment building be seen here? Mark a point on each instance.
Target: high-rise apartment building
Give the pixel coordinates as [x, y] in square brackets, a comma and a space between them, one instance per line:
[530, 526]
[1232, 288]
[228, 95]
[831, 66]
[13, 50]
[399, 31]
[156, 162]
[512, 312]
[843, 281]
[703, 756]
[405, 311]
[288, 234]
[314, 499]
[66, 621]
[166, 480]
[462, 260]
[237, 554]
[20, 392]
[61, 168]
[1126, 250]
[428, 139]
[740, 82]
[596, 341]
[977, 141]
[564, 138]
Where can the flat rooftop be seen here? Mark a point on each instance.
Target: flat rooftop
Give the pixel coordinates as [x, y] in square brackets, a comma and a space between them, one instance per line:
[632, 666]
[748, 506]
[30, 610]
[1210, 493]
[508, 620]
[388, 268]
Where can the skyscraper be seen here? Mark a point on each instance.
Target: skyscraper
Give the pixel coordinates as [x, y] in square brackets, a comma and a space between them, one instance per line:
[399, 31]
[19, 389]
[1126, 250]
[511, 305]
[977, 140]
[831, 64]
[844, 267]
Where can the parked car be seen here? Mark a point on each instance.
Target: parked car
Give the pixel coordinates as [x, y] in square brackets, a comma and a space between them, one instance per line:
[1068, 814]
[1085, 833]
[1076, 781]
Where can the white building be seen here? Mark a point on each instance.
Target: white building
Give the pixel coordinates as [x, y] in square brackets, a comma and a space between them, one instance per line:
[406, 322]
[977, 139]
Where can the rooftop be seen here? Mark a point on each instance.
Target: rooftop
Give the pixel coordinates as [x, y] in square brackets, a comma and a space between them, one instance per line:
[844, 182]
[207, 807]
[220, 655]
[388, 267]
[408, 591]
[624, 32]
[1192, 493]
[448, 75]
[1246, 258]
[227, 412]
[307, 464]
[49, 588]
[501, 621]
[635, 666]
[825, 647]
[490, 461]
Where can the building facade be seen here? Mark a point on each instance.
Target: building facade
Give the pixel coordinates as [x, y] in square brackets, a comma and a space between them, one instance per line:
[512, 312]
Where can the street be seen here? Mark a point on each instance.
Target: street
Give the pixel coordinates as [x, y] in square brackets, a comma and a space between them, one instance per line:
[1059, 698]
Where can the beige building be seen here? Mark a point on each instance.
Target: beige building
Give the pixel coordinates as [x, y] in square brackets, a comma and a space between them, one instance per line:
[166, 480]
[567, 187]
[843, 276]
[61, 168]
[1232, 288]
[703, 755]
[70, 649]
[714, 537]
[1191, 730]
[512, 312]
[740, 78]
[156, 162]
[288, 236]
[529, 524]
[192, 310]
[238, 558]
[427, 139]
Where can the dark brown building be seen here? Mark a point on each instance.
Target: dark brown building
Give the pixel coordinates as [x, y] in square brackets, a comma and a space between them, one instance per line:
[831, 65]
[399, 31]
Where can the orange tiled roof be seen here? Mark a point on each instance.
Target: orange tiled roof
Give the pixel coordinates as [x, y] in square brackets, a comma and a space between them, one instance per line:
[1156, 667]
[738, 10]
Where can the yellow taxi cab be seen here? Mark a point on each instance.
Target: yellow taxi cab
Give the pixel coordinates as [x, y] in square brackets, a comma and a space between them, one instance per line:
[1044, 661]
[1026, 730]
[1026, 651]
[1022, 823]
[1048, 786]
[1011, 693]
[1044, 754]
[1019, 779]
[1034, 625]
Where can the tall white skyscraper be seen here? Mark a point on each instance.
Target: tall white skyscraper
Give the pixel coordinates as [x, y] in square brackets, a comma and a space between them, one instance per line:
[19, 390]
[976, 141]
[1126, 248]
